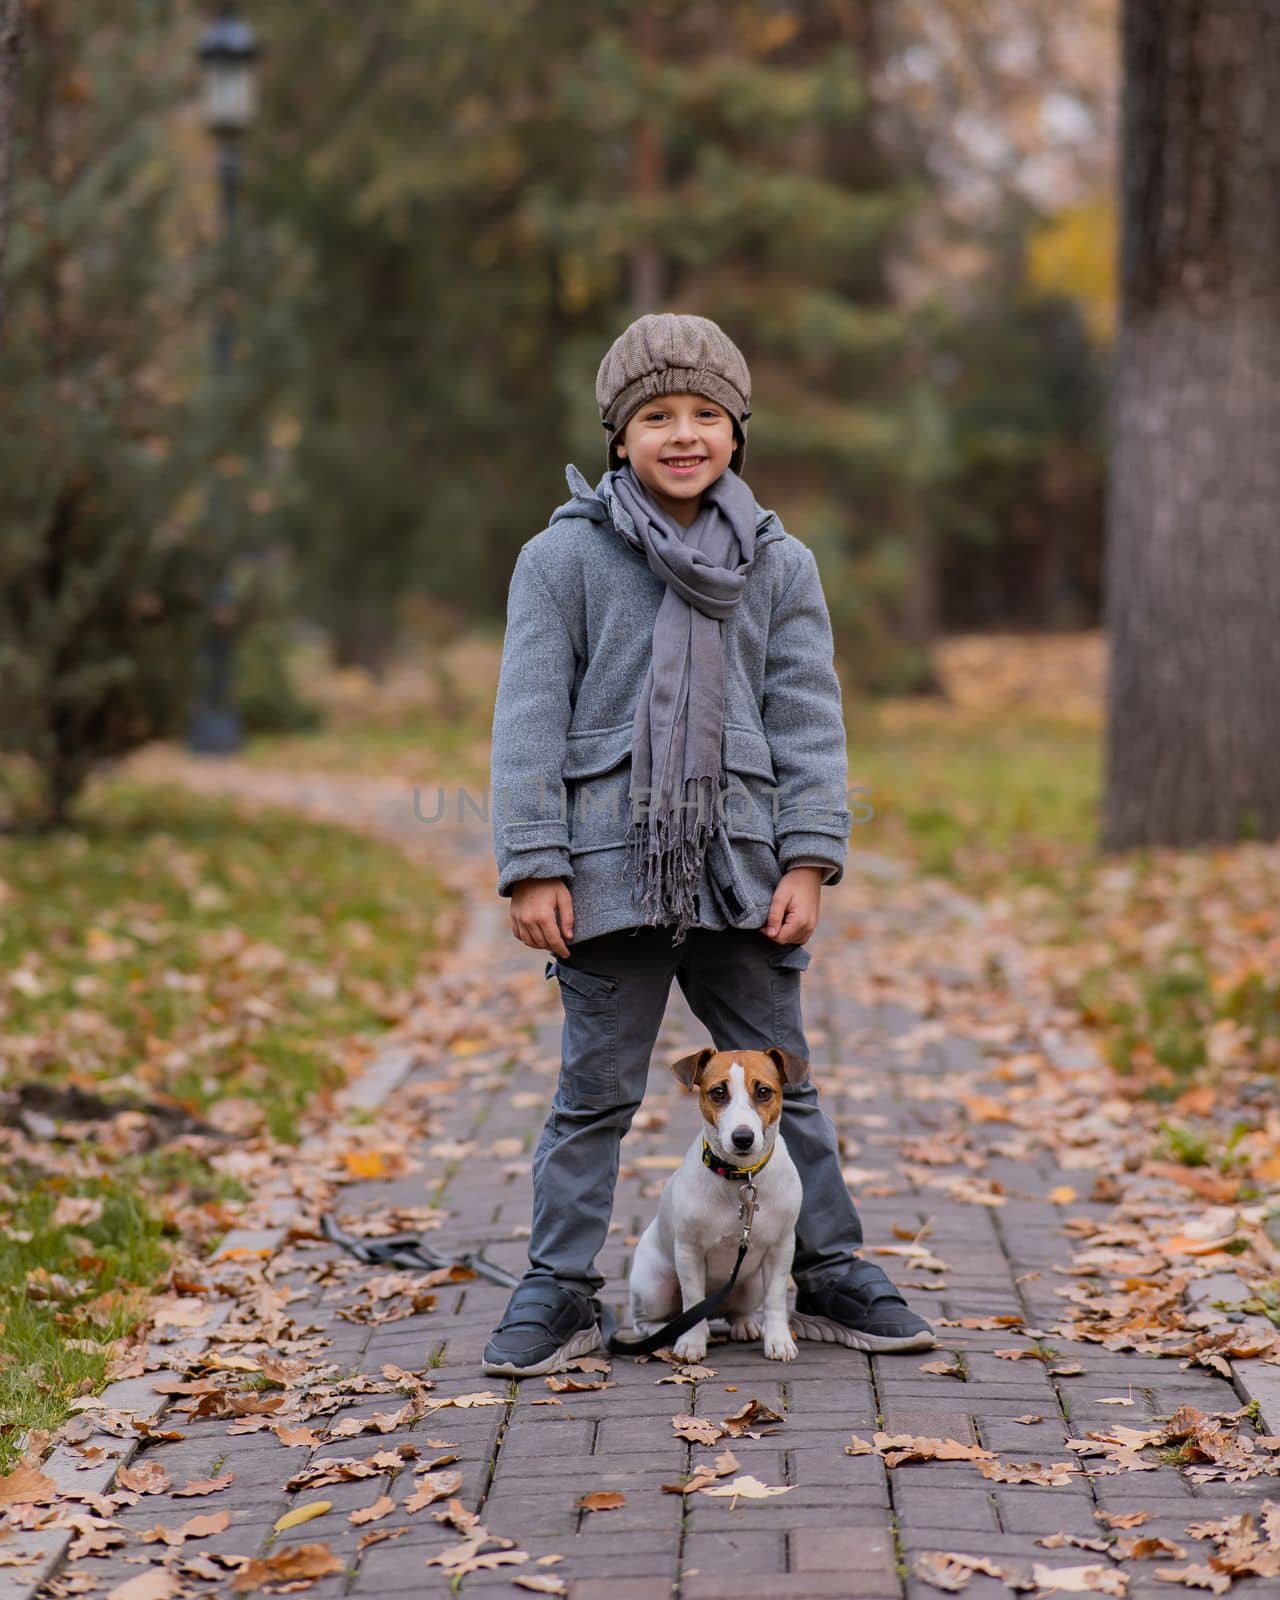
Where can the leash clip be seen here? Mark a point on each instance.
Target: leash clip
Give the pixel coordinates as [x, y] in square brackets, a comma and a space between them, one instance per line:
[747, 1208]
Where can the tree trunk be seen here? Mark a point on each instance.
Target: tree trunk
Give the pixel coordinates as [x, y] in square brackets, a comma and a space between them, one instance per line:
[10, 50]
[1193, 560]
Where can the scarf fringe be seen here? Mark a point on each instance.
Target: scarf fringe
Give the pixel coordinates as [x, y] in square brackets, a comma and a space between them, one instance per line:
[666, 849]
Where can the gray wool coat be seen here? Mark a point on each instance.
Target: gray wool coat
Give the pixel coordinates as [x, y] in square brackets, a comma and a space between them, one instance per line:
[580, 615]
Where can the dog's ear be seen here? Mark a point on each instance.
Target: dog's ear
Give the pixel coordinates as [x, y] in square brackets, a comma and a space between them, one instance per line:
[794, 1069]
[689, 1068]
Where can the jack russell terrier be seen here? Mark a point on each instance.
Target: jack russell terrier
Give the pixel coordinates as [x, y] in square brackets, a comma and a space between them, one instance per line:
[690, 1246]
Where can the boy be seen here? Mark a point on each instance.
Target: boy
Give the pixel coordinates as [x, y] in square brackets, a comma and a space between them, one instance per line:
[664, 633]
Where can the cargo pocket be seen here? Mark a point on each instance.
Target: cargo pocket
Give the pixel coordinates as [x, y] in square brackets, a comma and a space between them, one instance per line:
[589, 1042]
[786, 963]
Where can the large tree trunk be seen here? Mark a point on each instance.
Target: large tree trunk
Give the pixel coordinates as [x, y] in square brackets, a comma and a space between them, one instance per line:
[1193, 559]
[10, 49]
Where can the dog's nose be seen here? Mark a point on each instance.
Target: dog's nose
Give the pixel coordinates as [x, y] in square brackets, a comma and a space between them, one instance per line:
[743, 1138]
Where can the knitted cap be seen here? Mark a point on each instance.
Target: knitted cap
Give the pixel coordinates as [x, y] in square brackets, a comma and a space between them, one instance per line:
[666, 353]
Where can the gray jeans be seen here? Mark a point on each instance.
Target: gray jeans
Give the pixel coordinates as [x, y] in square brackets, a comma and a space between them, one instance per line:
[745, 988]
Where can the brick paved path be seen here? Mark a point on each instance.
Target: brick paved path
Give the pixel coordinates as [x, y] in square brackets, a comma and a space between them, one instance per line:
[847, 1527]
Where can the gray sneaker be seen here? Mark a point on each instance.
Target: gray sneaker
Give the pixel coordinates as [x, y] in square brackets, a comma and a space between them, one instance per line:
[863, 1310]
[543, 1328]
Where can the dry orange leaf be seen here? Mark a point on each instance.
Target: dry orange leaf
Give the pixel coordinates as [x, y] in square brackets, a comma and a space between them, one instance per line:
[431, 1487]
[601, 1500]
[26, 1486]
[155, 1584]
[293, 1564]
[199, 1486]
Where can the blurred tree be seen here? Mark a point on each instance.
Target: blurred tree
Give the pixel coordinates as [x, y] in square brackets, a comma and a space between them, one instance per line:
[10, 50]
[1193, 567]
[482, 197]
[106, 426]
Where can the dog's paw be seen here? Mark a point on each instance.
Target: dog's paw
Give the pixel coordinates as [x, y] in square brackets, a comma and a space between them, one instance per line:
[780, 1347]
[692, 1346]
[747, 1327]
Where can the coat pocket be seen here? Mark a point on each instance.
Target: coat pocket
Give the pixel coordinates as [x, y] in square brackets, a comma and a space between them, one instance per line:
[748, 796]
[597, 777]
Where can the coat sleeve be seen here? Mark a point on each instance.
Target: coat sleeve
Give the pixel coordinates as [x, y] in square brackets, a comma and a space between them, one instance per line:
[804, 724]
[531, 716]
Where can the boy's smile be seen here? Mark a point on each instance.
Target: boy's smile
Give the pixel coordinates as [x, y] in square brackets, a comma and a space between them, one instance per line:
[678, 445]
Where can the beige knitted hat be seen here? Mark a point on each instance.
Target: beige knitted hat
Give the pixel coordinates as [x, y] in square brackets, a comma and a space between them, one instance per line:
[666, 353]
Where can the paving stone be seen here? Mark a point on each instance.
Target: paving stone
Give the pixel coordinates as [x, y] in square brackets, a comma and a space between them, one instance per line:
[789, 1586]
[852, 1550]
[728, 1554]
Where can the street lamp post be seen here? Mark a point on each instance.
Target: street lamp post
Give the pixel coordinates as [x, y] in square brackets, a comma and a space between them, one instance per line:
[228, 52]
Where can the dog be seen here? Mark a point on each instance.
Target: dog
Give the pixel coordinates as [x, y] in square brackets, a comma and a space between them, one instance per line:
[689, 1248]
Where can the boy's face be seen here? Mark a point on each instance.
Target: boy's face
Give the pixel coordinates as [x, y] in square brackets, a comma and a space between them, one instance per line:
[678, 445]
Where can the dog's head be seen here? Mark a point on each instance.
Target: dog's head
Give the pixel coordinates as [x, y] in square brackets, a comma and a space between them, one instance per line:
[740, 1092]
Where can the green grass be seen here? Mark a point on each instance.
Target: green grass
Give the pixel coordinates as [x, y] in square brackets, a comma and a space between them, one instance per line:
[981, 801]
[177, 955]
[416, 746]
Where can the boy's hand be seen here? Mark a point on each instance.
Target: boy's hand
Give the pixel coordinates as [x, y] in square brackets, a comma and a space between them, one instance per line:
[542, 914]
[793, 911]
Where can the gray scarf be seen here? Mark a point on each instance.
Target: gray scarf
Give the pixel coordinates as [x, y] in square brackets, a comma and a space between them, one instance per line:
[675, 741]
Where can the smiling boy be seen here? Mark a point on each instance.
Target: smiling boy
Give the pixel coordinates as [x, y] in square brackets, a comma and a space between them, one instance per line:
[669, 777]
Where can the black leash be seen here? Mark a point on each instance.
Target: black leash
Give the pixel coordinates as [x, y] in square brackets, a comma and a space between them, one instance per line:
[646, 1344]
[407, 1250]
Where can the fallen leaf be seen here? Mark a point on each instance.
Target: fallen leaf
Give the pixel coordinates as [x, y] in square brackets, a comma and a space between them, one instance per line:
[155, 1584]
[149, 1477]
[698, 1430]
[433, 1486]
[1080, 1580]
[1196, 1577]
[26, 1486]
[291, 1438]
[292, 1564]
[1057, 1474]
[530, 1580]
[301, 1514]
[381, 1507]
[944, 1369]
[952, 1572]
[748, 1488]
[748, 1416]
[199, 1486]
[377, 1535]
[601, 1500]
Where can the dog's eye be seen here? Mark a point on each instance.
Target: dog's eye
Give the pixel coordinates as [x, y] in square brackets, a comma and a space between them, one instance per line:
[763, 1092]
[719, 1092]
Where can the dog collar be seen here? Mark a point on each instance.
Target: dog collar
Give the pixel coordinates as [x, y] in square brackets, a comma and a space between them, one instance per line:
[723, 1169]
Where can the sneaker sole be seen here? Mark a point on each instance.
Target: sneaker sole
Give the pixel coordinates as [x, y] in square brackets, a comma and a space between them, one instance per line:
[830, 1332]
[580, 1344]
